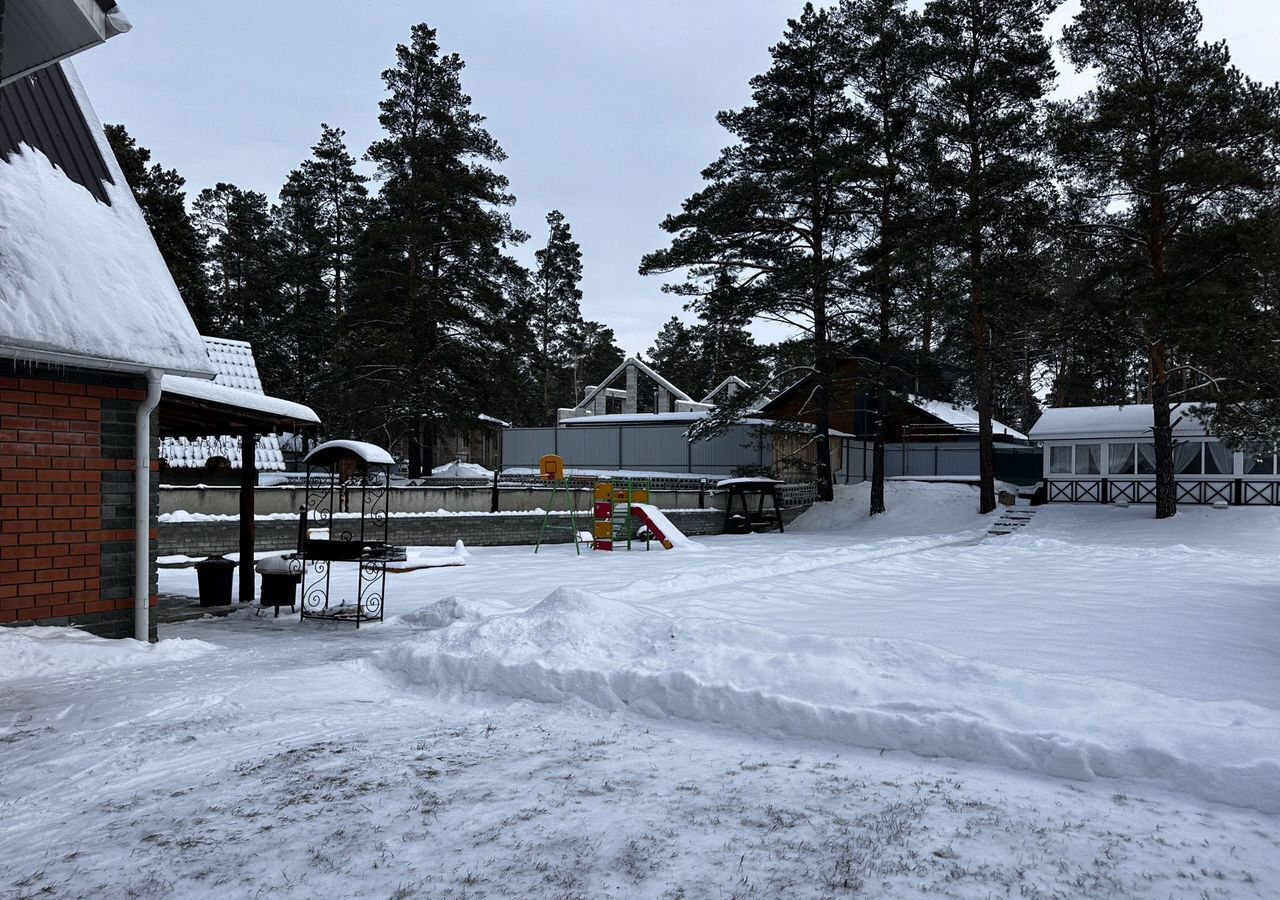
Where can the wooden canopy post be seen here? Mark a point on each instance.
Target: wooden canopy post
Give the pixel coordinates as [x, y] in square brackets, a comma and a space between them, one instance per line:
[248, 483]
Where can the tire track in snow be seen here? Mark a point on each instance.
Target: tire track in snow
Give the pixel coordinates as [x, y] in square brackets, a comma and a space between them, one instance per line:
[793, 563]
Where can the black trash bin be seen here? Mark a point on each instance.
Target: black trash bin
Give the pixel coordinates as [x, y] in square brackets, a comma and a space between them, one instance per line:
[214, 577]
[279, 590]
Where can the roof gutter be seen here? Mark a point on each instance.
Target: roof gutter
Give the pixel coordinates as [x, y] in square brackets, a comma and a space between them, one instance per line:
[142, 509]
[101, 364]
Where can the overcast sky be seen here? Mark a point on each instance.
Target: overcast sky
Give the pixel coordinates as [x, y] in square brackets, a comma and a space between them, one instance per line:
[605, 107]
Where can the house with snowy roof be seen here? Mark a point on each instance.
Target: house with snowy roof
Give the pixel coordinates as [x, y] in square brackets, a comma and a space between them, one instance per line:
[1106, 454]
[91, 328]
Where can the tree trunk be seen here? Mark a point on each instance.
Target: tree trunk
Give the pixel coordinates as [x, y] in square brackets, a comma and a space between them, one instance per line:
[428, 447]
[877, 451]
[415, 452]
[1166, 480]
[982, 379]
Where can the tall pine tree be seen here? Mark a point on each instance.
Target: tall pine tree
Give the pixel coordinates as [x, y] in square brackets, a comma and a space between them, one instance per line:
[990, 69]
[320, 216]
[884, 53]
[776, 215]
[244, 273]
[556, 311]
[436, 277]
[1173, 140]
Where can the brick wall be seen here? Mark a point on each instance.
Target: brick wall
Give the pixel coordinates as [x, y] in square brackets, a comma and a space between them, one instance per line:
[66, 497]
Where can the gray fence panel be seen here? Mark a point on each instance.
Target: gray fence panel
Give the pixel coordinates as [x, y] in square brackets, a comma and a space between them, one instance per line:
[739, 446]
[651, 449]
[525, 446]
[920, 460]
[646, 448]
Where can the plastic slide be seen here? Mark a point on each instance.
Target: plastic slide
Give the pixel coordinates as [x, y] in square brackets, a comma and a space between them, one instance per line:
[667, 533]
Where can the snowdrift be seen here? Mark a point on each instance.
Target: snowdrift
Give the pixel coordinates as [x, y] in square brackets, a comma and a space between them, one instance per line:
[911, 508]
[40, 651]
[888, 694]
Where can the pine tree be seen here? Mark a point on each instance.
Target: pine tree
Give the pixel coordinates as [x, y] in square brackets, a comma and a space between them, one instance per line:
[884, 53]
[1173, 138]
[556, 310]
[320, 216]
[990, 69]
[244, 273]
[594, 354]
[775, 216]
[435, 273]
[677, 355]
[160, 194]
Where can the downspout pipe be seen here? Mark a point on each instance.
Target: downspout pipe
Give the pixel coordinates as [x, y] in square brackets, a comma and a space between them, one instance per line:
[142, 509]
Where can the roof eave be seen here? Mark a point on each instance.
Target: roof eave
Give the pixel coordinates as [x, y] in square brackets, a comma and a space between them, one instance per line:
[96, 363]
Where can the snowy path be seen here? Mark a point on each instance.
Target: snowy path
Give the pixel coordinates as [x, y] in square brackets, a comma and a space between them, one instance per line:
[694, 724]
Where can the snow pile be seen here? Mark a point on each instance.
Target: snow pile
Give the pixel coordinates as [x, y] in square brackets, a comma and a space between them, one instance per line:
[876, 693]
[459, 469]
[432, 558]
[38, 651]
[911, 508]
[440, 614]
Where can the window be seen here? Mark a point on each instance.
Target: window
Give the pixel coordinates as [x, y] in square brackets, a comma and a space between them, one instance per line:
[1120, 458]
[1259, 463]
[1146, 459]
[1186, 457]
[1217, 459]
[1059, 460]
[1088, 459]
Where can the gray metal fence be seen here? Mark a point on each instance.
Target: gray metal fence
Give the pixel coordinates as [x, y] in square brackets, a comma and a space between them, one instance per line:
[643, 448]
[940, 459]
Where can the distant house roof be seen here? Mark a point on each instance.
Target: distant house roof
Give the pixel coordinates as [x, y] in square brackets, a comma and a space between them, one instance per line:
[961, 417]
[642, 366]
[731, 384]
[1136, 421]
[82, 282]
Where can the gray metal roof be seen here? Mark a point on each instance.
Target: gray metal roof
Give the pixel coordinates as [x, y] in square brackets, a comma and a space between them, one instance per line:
[41, 110]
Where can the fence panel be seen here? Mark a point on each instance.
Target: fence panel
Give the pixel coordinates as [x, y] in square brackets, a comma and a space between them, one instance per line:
[525, 446]
[655, 449]
[940, 459]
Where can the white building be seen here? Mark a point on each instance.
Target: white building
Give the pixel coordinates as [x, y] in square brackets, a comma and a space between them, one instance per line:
[1105, 454]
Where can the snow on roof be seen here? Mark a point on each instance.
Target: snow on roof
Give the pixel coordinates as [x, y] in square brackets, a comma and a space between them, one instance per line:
[1136, 420]
[82, 282]
[370, 453]
[753, 479]
[234, 363]
[213, 392]
[724, 385]
[668, 418]
[643, 367]
[962, 418]
[195, 453]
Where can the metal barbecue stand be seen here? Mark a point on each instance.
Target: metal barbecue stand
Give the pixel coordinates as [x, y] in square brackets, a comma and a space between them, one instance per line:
[343, 477]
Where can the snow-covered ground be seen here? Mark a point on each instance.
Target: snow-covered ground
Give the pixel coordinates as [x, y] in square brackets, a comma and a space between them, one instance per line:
[902, 707]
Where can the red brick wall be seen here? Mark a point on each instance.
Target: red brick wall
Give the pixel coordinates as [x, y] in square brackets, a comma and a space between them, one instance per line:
[52, 466]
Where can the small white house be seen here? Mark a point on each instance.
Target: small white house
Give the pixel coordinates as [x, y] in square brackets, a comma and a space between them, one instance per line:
[1105, 454]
